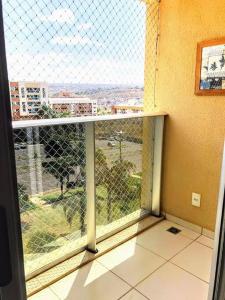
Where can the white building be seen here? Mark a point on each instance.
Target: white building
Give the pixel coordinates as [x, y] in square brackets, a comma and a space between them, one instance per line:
[75, 106]
[32, 96]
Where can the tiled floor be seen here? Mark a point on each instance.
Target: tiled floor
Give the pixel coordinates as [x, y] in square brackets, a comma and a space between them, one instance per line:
[156, 265]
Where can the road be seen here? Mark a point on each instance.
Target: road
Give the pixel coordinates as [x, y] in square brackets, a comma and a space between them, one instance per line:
[130, 151]
[26, 169]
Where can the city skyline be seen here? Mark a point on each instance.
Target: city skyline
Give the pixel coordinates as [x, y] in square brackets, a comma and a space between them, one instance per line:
[31, 99]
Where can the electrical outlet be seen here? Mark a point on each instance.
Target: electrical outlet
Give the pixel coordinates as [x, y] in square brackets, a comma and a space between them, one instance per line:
[196, 199]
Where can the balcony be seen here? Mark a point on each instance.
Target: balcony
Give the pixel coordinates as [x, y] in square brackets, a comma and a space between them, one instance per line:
[103, 233]
[105, 196]
[82, 180]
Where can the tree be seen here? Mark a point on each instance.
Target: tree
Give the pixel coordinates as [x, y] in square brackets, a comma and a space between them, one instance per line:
[75, 203]
[65, 149]
[46, 112]
[118, 186]
[119, 138]
[101, 167]
[116, 179]
[24, 200]
[61, 168]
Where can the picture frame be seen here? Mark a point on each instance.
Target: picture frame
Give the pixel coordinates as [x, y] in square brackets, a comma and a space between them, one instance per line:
[210, 68]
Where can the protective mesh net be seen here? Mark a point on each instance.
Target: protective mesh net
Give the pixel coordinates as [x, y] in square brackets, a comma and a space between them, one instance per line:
[118, 171]
[51, 176]
[75, 59]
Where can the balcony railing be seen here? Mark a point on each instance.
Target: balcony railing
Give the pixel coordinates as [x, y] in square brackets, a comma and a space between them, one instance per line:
[83, 179]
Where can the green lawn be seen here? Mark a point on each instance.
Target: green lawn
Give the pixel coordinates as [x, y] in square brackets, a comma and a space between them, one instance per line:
[50, 218]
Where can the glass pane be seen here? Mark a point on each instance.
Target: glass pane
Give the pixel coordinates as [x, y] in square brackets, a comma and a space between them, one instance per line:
[119, 154]
[50, 164]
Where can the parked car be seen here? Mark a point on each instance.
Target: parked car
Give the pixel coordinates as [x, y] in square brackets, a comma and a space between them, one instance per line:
[23, 146]
[111, 144]
[17, 146]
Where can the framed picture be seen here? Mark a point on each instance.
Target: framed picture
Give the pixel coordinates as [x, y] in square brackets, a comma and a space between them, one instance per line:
[210, 68]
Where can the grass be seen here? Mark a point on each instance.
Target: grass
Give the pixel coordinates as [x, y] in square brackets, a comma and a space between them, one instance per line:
[50, 218]
[53, 197]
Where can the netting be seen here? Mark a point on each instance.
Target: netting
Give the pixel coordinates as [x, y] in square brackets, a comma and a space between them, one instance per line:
[119, 147]
[78, 59]
[51, 175]
[50, 164]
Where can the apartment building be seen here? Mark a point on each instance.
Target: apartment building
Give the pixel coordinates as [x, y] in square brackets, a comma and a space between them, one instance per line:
[27, 98]
[74, 106]
[15, 100]
[124, 109]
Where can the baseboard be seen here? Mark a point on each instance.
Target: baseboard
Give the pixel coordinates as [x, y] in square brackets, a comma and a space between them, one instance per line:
[209, 233]
[189, 225]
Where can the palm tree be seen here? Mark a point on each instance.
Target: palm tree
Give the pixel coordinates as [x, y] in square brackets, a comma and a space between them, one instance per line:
[115, 179]
[213, 66]
[117, 183]
[222, 62]
[119, 138]
[75, 203]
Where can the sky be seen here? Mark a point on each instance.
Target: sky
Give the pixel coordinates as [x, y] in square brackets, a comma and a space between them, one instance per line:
[75, 41]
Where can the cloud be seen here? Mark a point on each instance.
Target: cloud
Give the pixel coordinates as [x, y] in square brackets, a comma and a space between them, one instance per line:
[71, 40]
[84, 26]
[68, 68]
[74, 40]
[60, 15]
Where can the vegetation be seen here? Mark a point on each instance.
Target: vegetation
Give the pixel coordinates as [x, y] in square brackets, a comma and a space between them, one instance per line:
[117, 181]
[39, 241]
[47, 112]
[65, 150]
[24, 200]
[62, 223]
[72, 204]
[64, 212]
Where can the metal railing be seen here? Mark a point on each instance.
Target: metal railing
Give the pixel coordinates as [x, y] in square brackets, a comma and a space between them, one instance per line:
[80, 181]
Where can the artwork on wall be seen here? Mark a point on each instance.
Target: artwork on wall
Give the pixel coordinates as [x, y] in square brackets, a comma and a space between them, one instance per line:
[210, 68]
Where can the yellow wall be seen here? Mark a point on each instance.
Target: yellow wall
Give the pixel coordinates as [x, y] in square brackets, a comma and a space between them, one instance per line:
[195, 129]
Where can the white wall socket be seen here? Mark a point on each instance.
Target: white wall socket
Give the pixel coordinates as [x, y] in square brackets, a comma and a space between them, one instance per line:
[196, 199]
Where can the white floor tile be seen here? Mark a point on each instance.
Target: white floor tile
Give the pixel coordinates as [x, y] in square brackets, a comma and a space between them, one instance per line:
[172, 283]
[91, 282]
[133, 295]
[46, 294]
[196, 259]
[162, 242]
[131, 262]
[205, 241]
